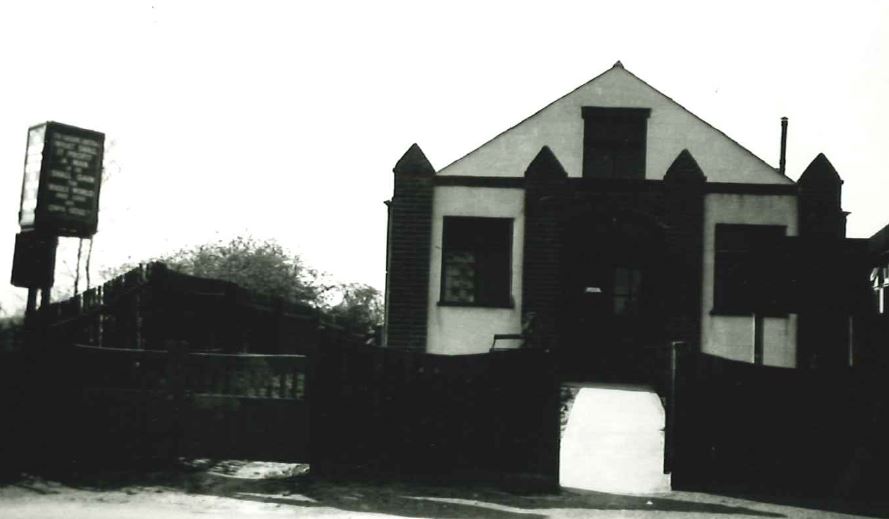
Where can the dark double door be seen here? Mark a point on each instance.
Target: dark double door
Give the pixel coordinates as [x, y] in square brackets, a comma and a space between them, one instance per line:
[613, 296]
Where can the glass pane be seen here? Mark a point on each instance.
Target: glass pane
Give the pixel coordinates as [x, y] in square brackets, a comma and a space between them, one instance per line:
[635, 280]
[621, 281]
[492, 277]
[459, 277]
[621, 305]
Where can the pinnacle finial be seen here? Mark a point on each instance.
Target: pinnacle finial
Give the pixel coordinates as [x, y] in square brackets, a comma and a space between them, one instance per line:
[618, 64]
[413, 162]
[545, 164]
[820, 173]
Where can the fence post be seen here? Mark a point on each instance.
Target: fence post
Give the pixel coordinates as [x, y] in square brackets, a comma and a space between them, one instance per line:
[278, 318]
[671, 443]
[175, 394]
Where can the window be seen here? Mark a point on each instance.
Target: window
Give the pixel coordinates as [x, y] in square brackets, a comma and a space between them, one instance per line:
[614, 142]
[627, 282]
[750, 275]
[476, 261]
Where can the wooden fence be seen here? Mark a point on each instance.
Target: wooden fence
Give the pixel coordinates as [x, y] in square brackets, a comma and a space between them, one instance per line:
[104, 406]
[491, 417]
[734, 425]
[14, 410]
[152, 366]
[151, 305]
[12, 335]
[349, 410]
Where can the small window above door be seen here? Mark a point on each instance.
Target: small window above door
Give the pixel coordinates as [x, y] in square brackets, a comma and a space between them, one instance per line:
[614, 142]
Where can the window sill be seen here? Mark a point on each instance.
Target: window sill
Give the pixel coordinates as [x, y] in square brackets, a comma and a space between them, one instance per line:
[509, 305]
[725, 312]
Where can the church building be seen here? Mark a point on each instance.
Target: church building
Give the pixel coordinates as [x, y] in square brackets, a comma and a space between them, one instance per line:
[612, 223]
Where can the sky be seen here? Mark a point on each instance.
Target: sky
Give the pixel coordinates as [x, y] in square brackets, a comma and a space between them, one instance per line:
[283, 120]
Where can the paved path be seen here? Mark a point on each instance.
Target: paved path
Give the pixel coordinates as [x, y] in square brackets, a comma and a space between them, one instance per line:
[614, 441]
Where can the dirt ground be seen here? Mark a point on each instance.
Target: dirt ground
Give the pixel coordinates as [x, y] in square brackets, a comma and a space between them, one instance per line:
[208, 489]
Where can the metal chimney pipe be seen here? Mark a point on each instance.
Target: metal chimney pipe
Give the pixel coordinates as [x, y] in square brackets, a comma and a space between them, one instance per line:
[783, 160]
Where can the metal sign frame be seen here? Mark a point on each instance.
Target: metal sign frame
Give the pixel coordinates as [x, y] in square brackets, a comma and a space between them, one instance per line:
[62, 180]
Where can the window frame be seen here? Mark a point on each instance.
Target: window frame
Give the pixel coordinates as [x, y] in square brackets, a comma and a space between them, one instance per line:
[614, 116]
[631, 295]
[750, 259]
[504, 300]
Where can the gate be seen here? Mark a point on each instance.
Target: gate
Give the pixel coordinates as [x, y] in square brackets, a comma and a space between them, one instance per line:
[140, 405]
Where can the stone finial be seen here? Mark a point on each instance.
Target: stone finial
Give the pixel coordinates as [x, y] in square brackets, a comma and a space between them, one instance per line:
[413, 162]
[820, 174]
[685, 169]
[617, 64]
[545, 165]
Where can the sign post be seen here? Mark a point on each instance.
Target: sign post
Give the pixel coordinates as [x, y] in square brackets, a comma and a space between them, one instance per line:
[60, 197]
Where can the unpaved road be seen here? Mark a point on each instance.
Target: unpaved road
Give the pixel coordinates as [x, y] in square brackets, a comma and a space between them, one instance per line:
[263, 490]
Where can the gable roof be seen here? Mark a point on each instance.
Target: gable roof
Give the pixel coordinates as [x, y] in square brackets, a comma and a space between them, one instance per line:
[726, 136]
[763, 171]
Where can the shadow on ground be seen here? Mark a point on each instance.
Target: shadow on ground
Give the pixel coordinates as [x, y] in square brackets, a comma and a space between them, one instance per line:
[853, 506]
[292, 486]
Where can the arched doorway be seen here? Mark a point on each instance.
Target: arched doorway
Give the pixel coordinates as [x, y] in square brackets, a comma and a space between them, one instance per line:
[613, 295]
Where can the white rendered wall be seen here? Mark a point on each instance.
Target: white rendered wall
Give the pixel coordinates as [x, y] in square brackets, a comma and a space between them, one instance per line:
[455, 330]
[671, 128]
[732, 336]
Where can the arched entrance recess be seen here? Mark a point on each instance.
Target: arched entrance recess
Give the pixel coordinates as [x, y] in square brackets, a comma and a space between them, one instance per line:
[613, 291]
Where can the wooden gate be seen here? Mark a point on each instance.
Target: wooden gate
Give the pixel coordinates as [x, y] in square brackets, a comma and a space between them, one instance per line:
[133, 405]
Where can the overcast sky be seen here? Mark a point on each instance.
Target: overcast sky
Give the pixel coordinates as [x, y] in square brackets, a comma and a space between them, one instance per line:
[283, 119]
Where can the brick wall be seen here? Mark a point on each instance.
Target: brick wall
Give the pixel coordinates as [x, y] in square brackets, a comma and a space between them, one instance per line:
[409, 248]
[564, 215]
[684, 214]
[820, 211]
[541, 283]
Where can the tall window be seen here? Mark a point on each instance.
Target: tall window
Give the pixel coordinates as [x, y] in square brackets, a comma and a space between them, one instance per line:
[627, 283]
[476, 261]
[614, 142]
[750, 276]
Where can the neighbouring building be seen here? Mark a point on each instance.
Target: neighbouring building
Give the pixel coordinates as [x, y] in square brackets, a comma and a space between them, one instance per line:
[879, 246]
[611, 223]
[878, 332]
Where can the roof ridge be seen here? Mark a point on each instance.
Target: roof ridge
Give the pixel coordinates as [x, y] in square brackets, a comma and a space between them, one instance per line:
[696, 116]
[492, 139]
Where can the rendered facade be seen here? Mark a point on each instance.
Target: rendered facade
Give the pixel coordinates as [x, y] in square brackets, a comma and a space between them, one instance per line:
[611, 223]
